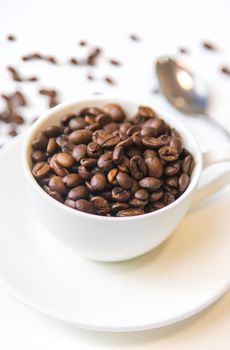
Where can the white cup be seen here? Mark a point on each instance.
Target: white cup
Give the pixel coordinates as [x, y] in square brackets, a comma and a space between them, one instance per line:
[110, 238]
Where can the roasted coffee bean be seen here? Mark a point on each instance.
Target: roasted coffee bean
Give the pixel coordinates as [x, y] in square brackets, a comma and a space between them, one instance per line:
[111, 176]
[80, 136]
[78, 192]
[156, 196]
[114, 111]
[118, 206]
[118, 154]
[137, 203]
[188, 165]
[56, 184]
[111, 127]
[94, 150]
[72, 180]
[38, 156]
[58, 168]
[124, 180]
[149, 132]
[52, 145]
[40, 170]
[176, 143]
[79, 152]
[85, 206]
[89, 163]
[66, 118]
[105, 161]
[172, 181]
[172, 169]
[154, 167]
[70, 203]
[153, 142]
[84, 173]
[97, 162]
[183, 182]
[77, 123]
[98, 182]
[145, 111]
[150, 183]
[130, 212]
[141, 195]
[169, 154]
[137, 167]
[93, 111]
[101, 205]
[65, 159]
[40, 143]
[120, 195]
[103, 119]
[53, 131]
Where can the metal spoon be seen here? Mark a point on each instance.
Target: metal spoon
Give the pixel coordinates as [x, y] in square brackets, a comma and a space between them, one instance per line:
[183, 90]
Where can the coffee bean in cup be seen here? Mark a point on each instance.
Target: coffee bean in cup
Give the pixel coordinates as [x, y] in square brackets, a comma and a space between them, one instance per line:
[100, 161]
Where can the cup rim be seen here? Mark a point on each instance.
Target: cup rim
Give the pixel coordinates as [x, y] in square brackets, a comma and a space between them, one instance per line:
[26, 148]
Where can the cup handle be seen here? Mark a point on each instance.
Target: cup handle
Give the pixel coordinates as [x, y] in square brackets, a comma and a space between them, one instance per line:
[210, 158]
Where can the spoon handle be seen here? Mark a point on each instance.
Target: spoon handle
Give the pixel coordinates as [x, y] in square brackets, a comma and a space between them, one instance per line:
[219, 126]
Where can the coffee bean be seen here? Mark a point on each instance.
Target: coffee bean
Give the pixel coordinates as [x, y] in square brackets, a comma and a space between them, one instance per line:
[56, 195]
[118, 206]
[135, 186]
[120, 195]
[93, 111]
[114, 111]
[38, 156]
[150, 183]
[52, 145]
[56, 184]
[141, 195]
[118, 154]
[124, 166]
[111, 176]
[158, 205]
[137, 167]
[105, 161]
[98, 182]
[101, 205]
[103, 119]
[84, 173]
[172, 181]
[168, 198]
[145, 111]
[65, 159]
[70, 203]
[130, 212]
[176, 143]
[156, 196]
[124, 180]
[183, 182]
[111, 127]
[89, 163]
[40, 170]
[53, 131]
[77, 123]
[40, 143]
[85, 206]
[78, 192]
[66, 118]
[149, 132]
[110, 141]
[94, 150]
[79, 152]
[80, 136]
[157, 124]
[172, 169]
[149, 153]
[153, 142]
[137, 203]
[133, 151]
[72, 180]
[188, 165]
[154, 167]
[169, 154]
[58, 168]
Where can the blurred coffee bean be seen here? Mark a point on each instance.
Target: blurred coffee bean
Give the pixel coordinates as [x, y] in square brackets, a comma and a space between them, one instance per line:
[118, 155]
[105, 161]
[53, 131]
[40, 143]
[72, 180]
[183, 182]
[94, 150]
[188, 165]
[77, 123]
[114, 111]
[56, 184]
[79, 152]
[80, 136]
[141, 195]
[85, 206]
[169, 154]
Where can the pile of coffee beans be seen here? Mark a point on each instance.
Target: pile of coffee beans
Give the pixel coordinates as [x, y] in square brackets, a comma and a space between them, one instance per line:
[99, 162]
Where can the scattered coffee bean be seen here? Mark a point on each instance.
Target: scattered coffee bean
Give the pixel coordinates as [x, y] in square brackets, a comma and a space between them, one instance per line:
[225, 70]
[11, 37]
[74, 61]
[183, 50]
[99, 163]
[109, 80]
[134, 37]
[16, 76]
[114, 62]
[209, 46]
[82, 43]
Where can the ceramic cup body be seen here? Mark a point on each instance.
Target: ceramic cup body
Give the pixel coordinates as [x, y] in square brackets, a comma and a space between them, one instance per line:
[107, 238]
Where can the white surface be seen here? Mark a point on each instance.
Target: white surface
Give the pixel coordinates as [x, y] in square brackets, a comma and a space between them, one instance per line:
[176, 280]
[163, 25]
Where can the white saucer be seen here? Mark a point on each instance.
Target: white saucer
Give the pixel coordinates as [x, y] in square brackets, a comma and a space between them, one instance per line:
[180, 278]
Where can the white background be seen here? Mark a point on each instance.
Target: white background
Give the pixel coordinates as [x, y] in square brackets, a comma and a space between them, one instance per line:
[55, 27]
